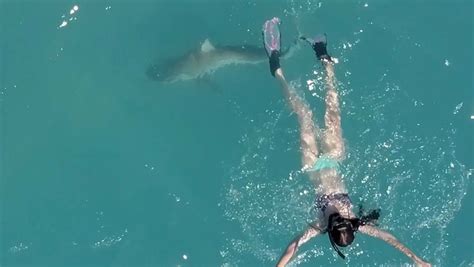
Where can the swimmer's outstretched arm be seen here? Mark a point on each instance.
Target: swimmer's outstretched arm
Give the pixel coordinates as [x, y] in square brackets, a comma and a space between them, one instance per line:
[291, 249]
[389, 238]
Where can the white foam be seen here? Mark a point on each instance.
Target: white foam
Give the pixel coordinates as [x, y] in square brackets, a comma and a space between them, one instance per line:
[458, 108]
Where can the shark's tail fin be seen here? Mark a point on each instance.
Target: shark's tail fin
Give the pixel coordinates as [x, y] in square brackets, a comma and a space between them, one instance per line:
[291, 49]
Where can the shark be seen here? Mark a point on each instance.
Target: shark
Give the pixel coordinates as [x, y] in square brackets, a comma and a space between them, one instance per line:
[201, 62]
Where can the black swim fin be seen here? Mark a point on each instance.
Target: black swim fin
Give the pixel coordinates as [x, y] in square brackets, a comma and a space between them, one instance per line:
[272, 42]
[319, 46]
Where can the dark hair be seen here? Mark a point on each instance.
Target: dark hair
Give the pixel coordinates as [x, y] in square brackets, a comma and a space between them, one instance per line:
[341, 230]
[342, 237]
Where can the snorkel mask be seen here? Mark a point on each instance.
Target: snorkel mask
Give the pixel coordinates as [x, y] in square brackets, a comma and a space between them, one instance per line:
[342, 227]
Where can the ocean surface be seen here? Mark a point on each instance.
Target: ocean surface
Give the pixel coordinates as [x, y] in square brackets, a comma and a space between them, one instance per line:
[102, 166]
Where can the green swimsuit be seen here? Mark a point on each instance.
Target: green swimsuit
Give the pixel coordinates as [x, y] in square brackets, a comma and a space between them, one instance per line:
[326, 162]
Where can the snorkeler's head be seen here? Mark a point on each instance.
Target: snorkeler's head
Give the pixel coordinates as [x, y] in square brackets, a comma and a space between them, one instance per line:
[342, 237]
[341, 230]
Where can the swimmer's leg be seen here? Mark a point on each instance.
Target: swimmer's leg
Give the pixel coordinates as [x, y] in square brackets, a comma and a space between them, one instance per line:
[308, 129]
[333, 143]
[271, 40]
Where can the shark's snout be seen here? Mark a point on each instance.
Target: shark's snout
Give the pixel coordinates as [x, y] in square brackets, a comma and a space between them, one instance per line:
[154, 73]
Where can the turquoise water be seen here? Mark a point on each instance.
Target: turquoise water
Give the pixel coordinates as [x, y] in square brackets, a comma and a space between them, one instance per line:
[101, 166]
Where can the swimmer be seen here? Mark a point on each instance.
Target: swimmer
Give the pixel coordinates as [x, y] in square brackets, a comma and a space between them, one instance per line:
[321, 161]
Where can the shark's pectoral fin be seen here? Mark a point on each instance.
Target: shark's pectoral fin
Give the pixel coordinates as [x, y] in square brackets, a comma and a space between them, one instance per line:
[207, 46]
[291, 49]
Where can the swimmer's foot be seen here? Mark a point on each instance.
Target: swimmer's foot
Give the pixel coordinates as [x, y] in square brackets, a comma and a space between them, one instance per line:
[274, 61]
[319, 46]
[272, 43]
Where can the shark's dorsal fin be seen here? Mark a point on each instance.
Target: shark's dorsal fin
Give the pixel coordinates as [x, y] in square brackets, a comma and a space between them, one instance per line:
[207, 46]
